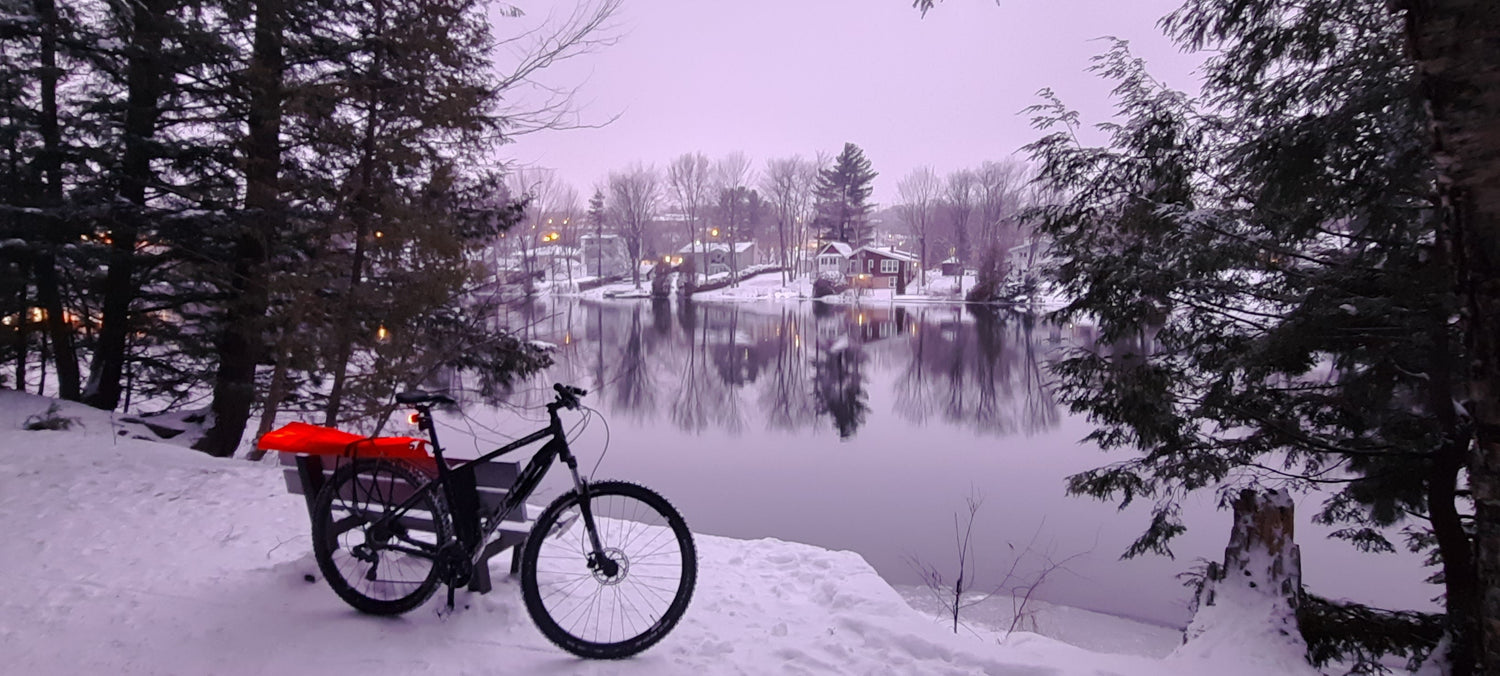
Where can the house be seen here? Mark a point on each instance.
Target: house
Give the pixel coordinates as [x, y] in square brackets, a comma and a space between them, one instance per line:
[885, 268]
[951, 267]
[833, 258]
[608, 251]
[714, 257]
[1024, 261]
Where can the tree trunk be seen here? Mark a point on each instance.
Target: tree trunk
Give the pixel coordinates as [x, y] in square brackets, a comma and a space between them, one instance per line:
[44, 265]
[781, 249]
[144, 83]
[362, 214]
[240, 344]
[1456, 44]
[274, 396]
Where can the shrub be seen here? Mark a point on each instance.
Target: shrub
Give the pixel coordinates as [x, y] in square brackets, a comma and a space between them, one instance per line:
[51, 419]
[828, 285]
[661, 281]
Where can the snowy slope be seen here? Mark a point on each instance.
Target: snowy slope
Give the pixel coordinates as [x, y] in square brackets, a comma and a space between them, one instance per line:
[132, 557]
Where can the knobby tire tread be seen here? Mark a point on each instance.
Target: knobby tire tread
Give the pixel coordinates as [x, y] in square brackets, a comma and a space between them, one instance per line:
[531, 593]
[322, 519]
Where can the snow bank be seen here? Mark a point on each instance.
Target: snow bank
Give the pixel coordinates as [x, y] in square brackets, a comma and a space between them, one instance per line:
[131, 557]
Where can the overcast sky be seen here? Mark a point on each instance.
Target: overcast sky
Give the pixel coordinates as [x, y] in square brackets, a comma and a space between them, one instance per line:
[777, 77]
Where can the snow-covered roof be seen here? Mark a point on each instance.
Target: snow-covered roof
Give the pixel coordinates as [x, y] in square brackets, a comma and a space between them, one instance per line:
[889, 253]
[739, 247]
[951, 260]
[839, 248]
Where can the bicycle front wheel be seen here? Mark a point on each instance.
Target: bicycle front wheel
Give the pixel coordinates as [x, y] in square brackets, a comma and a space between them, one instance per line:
[380, 566]
[625, 603]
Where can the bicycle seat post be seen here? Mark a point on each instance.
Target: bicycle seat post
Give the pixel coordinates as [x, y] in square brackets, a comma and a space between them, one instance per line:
[425, 424]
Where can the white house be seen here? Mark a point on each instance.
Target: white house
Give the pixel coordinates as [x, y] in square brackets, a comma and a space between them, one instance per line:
[609, 251]
[1024, 260]
[833, 257]
[713, 258]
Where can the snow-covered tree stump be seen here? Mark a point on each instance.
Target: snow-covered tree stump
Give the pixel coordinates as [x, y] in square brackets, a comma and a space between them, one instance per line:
[1248, 604]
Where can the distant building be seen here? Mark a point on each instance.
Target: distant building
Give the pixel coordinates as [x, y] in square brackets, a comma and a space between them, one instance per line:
[608, 251]
[886, 268]
[1024, 261]
[951, 267]
[712, 258]
[833, 258]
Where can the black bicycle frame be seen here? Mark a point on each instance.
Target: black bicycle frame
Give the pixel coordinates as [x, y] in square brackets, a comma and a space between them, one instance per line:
[520, 489]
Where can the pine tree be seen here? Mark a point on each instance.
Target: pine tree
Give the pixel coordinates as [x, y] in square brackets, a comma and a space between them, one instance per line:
[597, 217]
[1266, 267]
[843, 194]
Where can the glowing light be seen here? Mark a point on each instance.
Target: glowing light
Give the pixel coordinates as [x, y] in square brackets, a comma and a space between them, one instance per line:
[381, 333]
[413, 419]
[714, 232]
[37, 314]
[379, 234]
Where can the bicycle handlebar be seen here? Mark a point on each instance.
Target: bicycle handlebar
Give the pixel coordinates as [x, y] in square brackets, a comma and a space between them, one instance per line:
[567, 395]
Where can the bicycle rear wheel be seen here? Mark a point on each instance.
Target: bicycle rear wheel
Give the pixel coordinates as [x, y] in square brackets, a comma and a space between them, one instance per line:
[616, 609]
[357, 558]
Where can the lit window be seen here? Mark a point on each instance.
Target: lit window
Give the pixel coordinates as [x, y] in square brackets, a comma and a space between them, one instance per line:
[889, 267]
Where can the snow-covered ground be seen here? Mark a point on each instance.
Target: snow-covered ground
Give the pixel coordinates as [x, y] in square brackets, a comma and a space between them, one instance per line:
[770, 287]
[126, 556]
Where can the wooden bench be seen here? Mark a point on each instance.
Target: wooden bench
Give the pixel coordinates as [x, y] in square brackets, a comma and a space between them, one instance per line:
[305, 474]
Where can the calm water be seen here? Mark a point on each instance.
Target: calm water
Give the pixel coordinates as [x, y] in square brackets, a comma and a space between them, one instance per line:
[866, 428]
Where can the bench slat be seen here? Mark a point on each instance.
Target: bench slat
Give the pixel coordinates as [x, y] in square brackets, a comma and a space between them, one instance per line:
[496, 473]
[492, 479]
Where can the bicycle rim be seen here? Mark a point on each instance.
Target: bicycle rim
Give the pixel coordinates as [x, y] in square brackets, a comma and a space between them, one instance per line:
[378, 579]
[590, 612]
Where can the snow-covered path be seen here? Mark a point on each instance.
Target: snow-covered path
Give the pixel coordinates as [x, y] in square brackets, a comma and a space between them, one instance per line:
[132, 557]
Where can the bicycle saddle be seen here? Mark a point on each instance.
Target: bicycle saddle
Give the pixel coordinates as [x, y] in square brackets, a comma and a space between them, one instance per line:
[416, 397]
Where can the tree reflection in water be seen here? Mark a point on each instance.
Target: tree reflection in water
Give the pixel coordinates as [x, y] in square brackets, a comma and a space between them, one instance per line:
[799, 367]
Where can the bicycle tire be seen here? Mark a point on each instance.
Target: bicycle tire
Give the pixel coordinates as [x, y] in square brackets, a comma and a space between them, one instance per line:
[637, 527]
[366, 490]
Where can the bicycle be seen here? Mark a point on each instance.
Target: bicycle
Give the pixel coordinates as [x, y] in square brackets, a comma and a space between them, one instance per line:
[607, 569]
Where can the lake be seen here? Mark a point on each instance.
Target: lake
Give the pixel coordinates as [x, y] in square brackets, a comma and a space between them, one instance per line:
[867, 429]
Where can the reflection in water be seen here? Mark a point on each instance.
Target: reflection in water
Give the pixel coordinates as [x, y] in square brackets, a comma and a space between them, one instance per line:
[728, 367]
[737, 413]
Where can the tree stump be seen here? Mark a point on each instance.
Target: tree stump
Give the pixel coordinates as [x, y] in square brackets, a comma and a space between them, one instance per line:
[1248, 603]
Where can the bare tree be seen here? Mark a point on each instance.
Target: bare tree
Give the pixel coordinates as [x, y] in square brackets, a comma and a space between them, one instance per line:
[997, 199]
[918, 208]
[958, 203]
[634, 197]
[534, 106]
[563, 212]
[787, 183]
[807, 183]
[537, 186]
[689, 179]
[731, 173]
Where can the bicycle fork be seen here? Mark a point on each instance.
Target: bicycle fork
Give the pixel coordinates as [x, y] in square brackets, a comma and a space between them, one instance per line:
[598, 560]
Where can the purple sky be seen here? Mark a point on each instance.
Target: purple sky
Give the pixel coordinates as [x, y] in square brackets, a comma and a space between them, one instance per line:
[777, 77]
